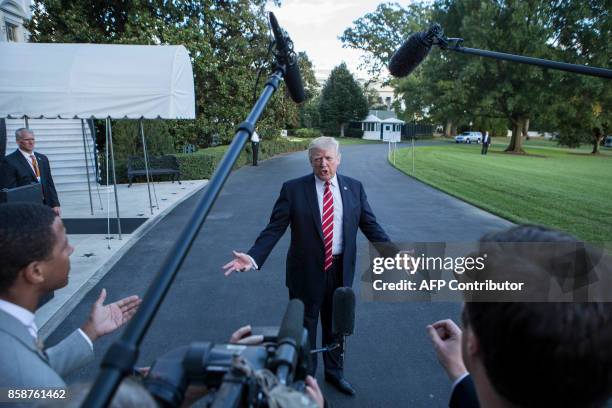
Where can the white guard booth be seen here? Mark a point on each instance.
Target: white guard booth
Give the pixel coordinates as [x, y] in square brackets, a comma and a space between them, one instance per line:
[97, 81]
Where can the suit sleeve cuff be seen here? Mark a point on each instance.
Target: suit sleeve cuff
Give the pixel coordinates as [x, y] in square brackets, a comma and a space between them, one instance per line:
[86, 338]
[458, 380]
[253, 262]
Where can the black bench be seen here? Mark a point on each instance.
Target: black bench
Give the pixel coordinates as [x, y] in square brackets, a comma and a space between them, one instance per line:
[158, 166]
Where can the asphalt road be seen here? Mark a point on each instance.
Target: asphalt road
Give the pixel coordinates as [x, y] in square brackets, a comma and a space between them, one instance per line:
[389, 359]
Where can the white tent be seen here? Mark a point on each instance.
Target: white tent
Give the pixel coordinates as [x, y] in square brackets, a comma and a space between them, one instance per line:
[96, 81]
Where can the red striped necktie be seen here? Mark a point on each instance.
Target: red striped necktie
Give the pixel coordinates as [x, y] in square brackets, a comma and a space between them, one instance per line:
[328, 225]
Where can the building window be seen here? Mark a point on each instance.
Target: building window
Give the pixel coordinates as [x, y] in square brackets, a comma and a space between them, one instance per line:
[11, 32]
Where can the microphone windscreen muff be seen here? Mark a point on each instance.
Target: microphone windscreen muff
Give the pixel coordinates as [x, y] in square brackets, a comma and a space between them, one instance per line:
[293, 322]
[409, 55]
[293, 81]
[343, 321]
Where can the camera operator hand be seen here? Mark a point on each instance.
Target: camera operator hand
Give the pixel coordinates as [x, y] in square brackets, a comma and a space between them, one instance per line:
[241, 263]
[312, 389]
[446, 337]
[243, 336]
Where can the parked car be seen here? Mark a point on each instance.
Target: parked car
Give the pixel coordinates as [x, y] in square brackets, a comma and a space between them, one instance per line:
[468, 137]
[608, 141]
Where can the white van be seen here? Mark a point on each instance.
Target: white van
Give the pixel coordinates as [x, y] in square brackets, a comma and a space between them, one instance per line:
[468, 137]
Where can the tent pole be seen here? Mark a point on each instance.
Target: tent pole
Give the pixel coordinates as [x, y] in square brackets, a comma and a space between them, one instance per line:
[108, 236]
[87, 166]
[94, 160]
[146, 160]
[26, 122]
[112, 153]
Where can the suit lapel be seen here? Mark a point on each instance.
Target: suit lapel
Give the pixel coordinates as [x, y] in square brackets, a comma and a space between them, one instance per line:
[311, 197]
[16, 329]
[26, 165]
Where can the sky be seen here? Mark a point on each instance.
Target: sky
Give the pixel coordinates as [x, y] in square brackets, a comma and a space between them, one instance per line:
[315, 25]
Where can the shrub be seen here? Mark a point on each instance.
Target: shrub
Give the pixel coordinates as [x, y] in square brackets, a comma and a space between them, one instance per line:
[351, 132]
[308, 132]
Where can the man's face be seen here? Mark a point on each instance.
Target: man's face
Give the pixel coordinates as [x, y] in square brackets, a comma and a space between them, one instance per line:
[26, 141]
[324, 163]
[56, 268]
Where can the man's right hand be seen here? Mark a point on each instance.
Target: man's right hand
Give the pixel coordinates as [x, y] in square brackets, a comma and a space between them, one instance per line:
[241, 263]
[446, 337]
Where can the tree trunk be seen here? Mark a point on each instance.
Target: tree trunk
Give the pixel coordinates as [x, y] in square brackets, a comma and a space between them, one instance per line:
[448, 129]
[598, 136]
[453, 130]
[342, 130]
[526, 129]
[516, 142]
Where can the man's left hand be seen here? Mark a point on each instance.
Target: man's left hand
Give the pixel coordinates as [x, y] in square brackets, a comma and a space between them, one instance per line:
[105, 319]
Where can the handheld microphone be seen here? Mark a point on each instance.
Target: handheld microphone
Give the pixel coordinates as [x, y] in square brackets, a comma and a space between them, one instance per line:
[290, 339]
[343, 322]
[413, 51]
[286, 55]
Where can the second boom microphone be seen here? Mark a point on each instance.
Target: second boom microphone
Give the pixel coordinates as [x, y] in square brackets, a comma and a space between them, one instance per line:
[413, 51]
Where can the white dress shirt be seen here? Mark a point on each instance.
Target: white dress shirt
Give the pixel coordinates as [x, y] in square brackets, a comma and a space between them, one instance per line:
[27, 319]
[27, 155]
[338, 240]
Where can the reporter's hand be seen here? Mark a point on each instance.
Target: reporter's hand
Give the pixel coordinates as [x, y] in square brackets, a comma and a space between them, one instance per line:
[243, 336]
[105, 319]
[446, 337]
[241, 263]
[312, 389]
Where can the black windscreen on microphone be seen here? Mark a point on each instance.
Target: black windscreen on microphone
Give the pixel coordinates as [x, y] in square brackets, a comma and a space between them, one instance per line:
[293, 322]
[343, 311]
[413, 51]
[408, 56]
[293, 77]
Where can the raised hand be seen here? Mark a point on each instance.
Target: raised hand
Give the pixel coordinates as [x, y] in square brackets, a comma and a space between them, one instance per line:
[241, 263]
[105, 319]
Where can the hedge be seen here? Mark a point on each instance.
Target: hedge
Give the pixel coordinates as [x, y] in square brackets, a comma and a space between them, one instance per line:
[202, 164]
[307, 132]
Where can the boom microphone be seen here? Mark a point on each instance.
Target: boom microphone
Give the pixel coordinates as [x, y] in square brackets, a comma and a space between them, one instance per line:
[289, 340]
[343, 322]
[284, 47]
[413, 51]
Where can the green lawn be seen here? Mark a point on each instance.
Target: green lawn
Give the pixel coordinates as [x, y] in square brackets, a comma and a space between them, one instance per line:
[563, 188]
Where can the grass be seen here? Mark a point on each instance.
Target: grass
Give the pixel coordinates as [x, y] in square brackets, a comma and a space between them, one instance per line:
[568, 189]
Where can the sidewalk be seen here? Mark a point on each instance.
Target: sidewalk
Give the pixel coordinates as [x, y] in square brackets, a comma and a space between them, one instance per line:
[94, 255]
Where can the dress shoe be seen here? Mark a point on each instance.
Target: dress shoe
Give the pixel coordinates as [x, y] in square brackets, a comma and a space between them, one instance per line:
[341, 385]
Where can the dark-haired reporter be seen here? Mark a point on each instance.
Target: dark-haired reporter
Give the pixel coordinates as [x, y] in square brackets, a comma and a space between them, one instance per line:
[34, 254]
[525, 354]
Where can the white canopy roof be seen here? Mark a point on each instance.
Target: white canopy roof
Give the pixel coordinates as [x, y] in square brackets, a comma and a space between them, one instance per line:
[99, 80]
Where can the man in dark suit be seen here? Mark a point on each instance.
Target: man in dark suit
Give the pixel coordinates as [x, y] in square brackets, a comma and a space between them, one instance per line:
[486, 141]
[522, 354]
[25, 166]
[324, 210]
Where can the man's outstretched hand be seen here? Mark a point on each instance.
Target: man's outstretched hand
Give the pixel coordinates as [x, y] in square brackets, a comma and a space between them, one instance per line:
[241, 263]
[105, 319]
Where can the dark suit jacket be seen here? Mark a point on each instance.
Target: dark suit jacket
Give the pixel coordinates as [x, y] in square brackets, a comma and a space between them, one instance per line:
[297, 206]
[464, 394]
[16, 171]
[486, 142]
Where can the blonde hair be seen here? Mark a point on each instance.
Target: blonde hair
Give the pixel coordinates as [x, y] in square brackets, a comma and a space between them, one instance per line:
[324, 143]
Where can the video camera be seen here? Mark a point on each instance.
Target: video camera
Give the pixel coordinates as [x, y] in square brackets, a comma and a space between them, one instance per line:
[243, 375]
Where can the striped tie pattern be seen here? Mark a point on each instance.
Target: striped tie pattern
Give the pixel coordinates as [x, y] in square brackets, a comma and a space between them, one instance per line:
[328, 225]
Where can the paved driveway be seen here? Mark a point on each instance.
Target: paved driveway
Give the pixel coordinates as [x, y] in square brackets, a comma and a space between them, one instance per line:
[389, 359]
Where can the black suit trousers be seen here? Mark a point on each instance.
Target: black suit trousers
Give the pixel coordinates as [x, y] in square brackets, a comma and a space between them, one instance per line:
[332, 360]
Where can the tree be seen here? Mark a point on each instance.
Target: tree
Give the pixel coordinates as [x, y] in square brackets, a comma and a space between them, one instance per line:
[582, 36]
[342, 101]
[227, 42]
